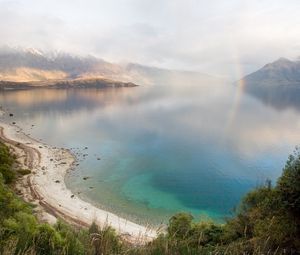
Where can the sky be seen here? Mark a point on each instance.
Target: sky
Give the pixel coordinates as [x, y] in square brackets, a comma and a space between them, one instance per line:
[225, 38]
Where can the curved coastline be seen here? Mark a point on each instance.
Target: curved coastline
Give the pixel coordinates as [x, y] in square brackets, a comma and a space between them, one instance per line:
[46, 188]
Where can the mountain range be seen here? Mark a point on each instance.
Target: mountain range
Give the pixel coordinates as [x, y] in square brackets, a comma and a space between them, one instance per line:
[33, 66]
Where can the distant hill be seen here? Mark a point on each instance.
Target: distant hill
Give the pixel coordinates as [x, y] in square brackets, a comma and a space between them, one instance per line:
[31, 65]
[276, 84]
[280, 73]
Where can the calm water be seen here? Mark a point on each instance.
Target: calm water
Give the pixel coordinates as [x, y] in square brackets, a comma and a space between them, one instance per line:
[163, 149]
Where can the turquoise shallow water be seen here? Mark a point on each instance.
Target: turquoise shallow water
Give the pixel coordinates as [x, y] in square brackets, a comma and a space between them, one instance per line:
[154, 151]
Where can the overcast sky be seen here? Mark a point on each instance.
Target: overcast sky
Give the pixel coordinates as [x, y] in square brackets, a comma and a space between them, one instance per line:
[221, 37]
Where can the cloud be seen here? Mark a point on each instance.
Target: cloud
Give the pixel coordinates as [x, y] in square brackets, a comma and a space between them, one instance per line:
[19, 28]
[213, 37]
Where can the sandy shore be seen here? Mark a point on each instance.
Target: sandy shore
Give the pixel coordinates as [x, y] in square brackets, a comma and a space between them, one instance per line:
[46, 188]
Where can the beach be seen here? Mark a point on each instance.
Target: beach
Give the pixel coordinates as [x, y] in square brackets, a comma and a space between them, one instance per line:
[45, 187]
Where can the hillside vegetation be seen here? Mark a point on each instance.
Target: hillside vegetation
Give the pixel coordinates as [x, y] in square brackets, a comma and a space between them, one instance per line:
[98, 83]
[266, 222]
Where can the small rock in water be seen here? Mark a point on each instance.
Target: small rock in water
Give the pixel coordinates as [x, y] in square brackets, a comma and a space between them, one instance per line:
[72, 196]
[98, 158]
[85, 178]
[10, 115]
[14, 123]
[57, 181]
[91, 187]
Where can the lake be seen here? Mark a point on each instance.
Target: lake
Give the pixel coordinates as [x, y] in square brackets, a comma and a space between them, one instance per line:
[148, 152]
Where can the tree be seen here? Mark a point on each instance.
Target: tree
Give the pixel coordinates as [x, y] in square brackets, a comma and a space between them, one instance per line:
[289, 185]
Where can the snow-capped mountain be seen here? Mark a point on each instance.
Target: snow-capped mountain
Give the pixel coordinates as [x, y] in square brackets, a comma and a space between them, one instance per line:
[18, 64]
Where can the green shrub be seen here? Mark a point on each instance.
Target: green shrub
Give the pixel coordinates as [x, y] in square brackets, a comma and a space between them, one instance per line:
[21, 226]
[207, 233]
[6, 163]
[48, 240]
[180, 225]
[74, 241]
[289, 185]
[105, 240]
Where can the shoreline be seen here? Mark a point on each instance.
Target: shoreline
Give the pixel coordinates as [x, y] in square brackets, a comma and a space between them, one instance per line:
[45, 187]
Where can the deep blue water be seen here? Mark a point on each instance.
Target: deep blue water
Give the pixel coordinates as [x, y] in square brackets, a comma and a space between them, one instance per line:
[162, 149]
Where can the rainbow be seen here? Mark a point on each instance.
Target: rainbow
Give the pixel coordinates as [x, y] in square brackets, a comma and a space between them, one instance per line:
[239, 91]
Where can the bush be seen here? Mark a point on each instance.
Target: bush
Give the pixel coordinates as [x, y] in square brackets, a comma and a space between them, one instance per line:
[74, 242]
[48, 240]
[207, 233]
[6, 163]
[105, 240]
[180, 225]
[22, 226]
[289, 185]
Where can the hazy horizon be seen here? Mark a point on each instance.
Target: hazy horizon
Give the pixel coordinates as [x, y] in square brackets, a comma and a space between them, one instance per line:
[229, 39]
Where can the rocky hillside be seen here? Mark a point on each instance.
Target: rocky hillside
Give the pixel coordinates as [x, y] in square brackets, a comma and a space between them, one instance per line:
[33, 65]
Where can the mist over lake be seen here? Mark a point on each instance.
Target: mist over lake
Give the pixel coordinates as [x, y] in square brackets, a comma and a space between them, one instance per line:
[148, 152]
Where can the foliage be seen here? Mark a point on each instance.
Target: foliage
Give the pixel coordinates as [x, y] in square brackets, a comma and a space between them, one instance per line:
[289, 185]
[180, 225]
[105, 240]
[6, 163]
[21, 233]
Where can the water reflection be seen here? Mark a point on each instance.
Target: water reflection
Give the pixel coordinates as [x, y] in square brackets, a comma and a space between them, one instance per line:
[61, 100]
[163, 148]
[280, 98]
